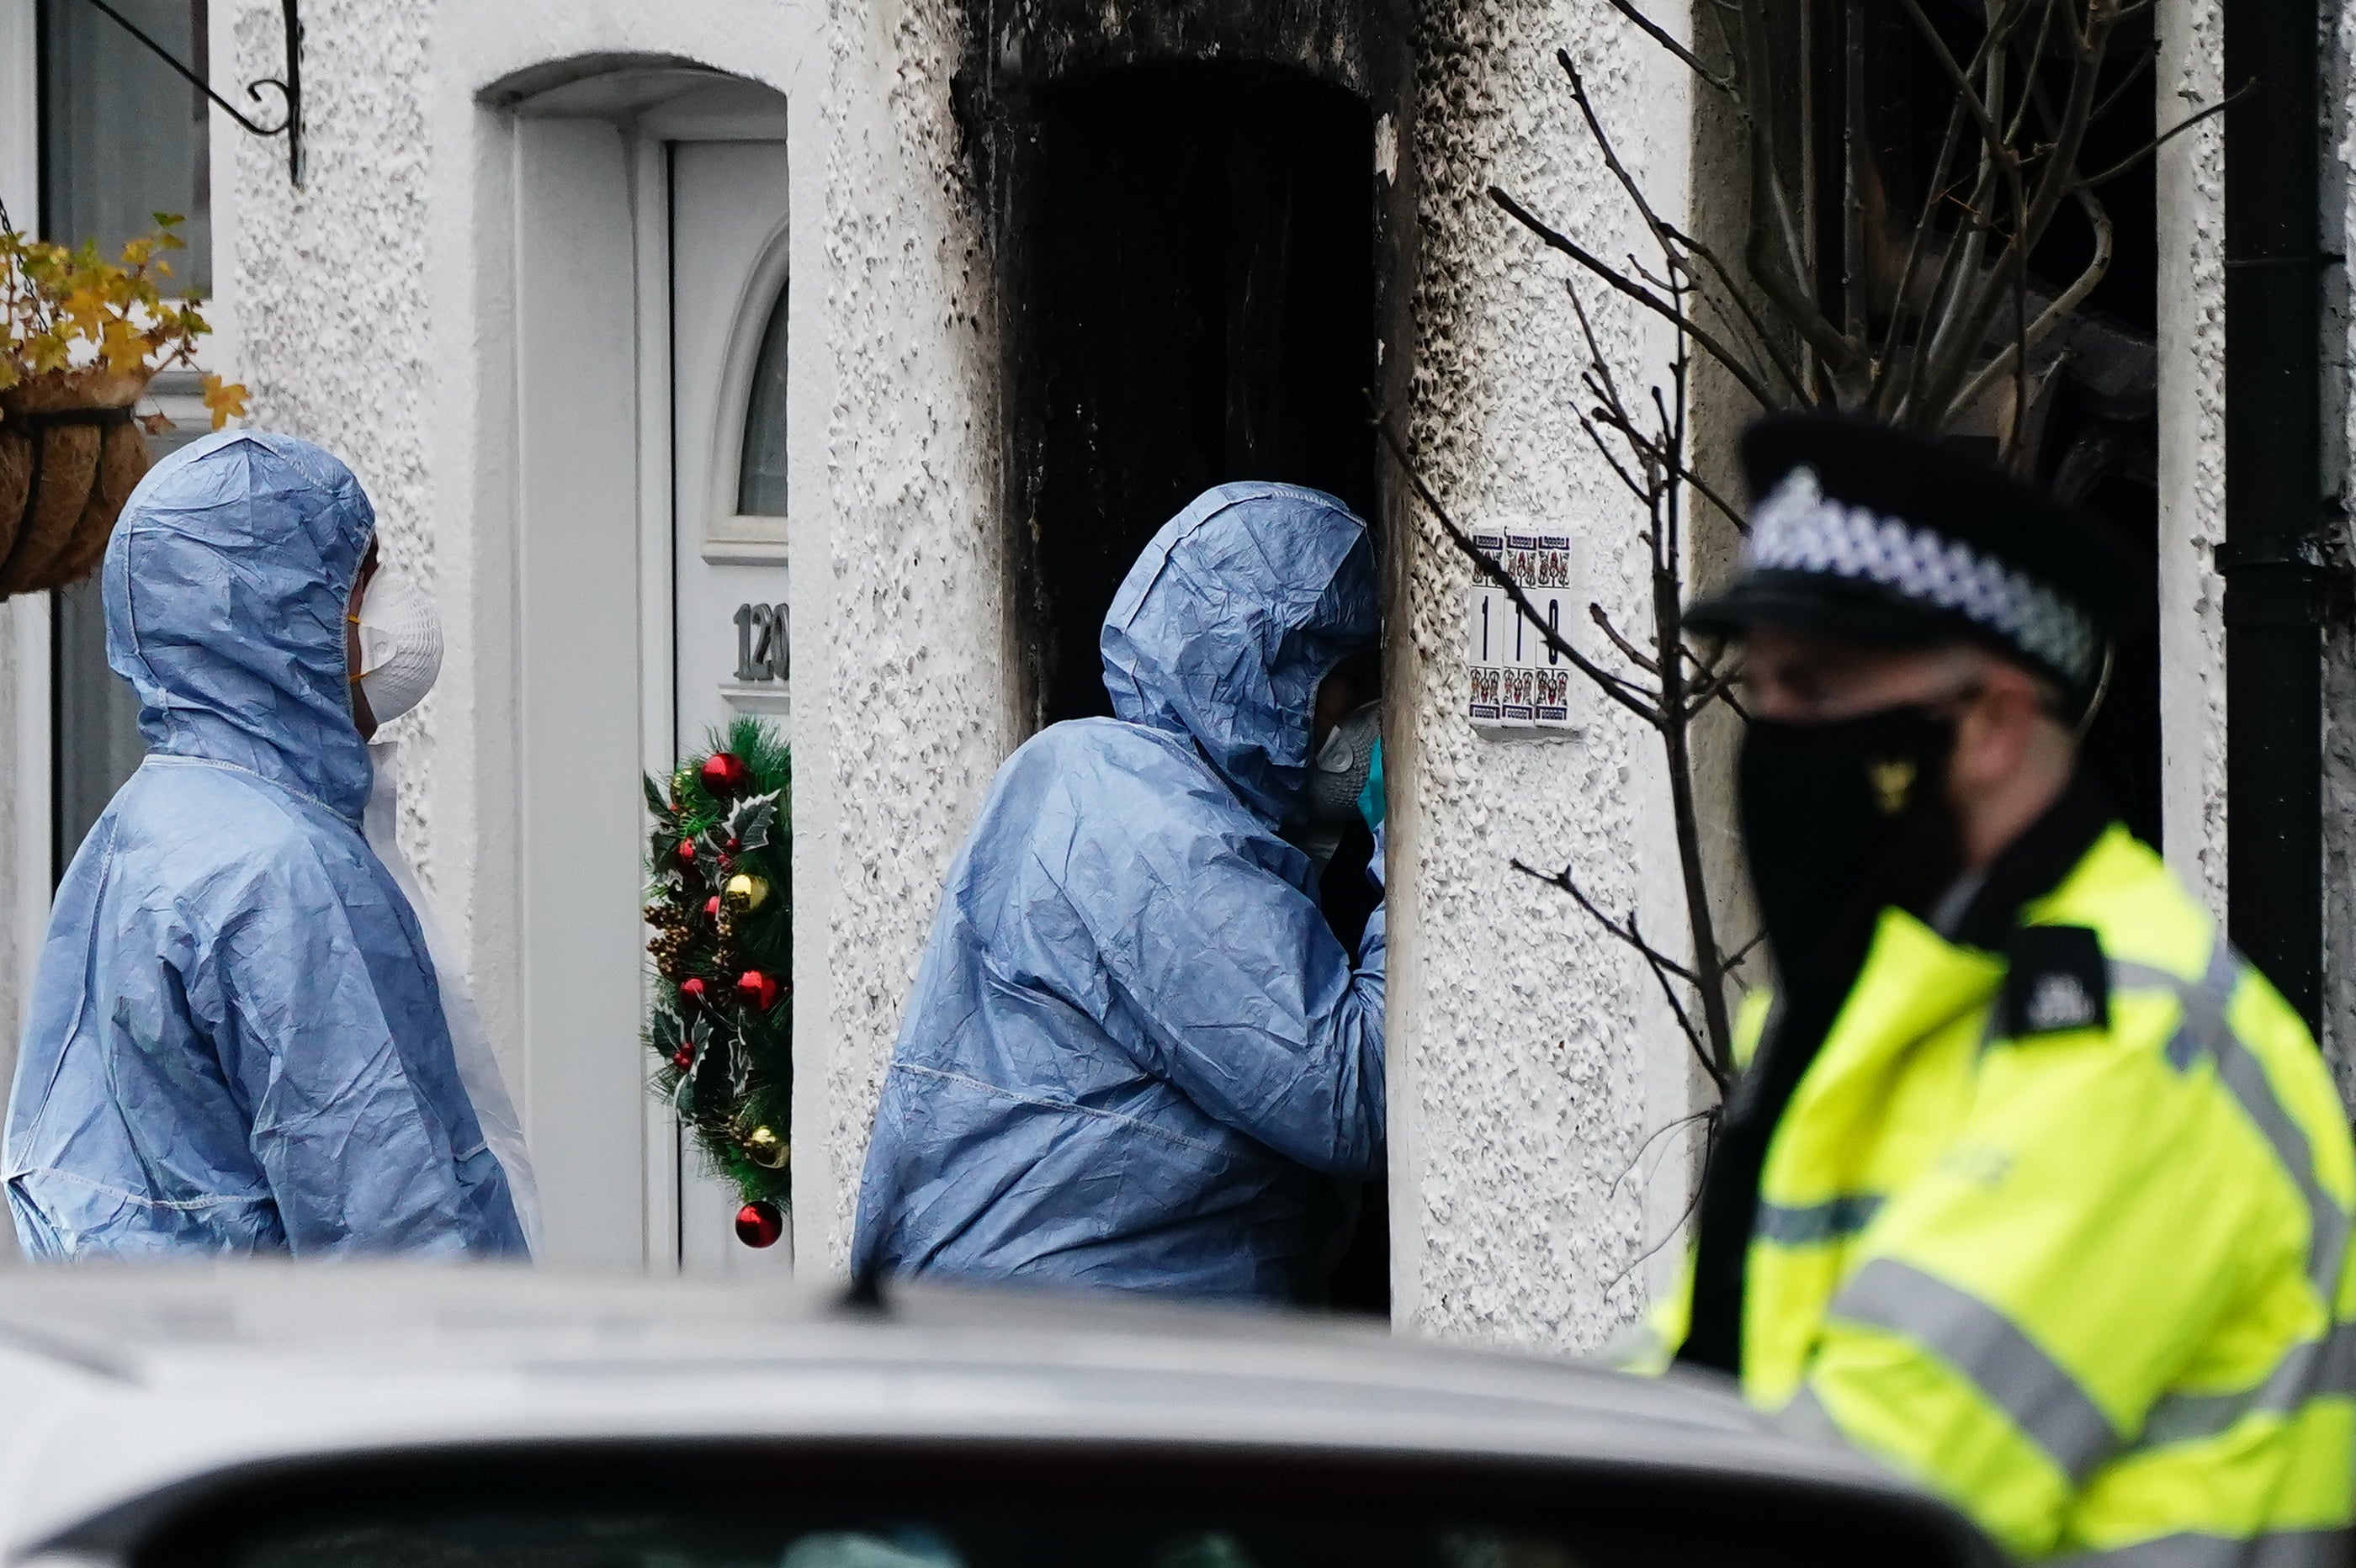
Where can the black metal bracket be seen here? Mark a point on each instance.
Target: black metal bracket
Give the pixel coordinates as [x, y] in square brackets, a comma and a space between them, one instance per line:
[289, 86]
[2270, 585]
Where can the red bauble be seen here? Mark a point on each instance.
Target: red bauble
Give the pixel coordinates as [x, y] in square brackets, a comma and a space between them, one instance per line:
[758, 991]
[725, 773]
[691, 989]
[685, 851]
[759, 1224]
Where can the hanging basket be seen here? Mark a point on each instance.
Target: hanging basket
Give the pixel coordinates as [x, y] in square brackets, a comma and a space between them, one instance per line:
[70, 453]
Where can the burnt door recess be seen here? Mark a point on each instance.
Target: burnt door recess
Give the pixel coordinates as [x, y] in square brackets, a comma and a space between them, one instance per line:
[1198, 306]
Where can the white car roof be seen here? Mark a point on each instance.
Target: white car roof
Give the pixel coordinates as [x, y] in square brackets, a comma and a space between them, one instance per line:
[115, 1382]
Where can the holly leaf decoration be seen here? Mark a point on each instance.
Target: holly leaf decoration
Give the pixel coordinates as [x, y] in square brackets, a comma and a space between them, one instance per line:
[750, 822]
[668, 1030]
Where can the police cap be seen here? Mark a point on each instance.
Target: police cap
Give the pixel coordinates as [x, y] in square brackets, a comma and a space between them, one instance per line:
[1865, 532]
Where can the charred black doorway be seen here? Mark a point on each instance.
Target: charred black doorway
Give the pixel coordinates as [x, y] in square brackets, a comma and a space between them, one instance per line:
[1197, 304]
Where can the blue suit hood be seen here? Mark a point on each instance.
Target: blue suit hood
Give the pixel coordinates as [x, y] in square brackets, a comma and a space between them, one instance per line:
[1231, 618]
[226, 584]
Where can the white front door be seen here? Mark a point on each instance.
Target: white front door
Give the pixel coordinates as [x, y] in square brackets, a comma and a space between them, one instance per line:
[727, 305]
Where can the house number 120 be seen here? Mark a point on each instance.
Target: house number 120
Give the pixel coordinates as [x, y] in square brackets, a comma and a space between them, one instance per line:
[760, 642]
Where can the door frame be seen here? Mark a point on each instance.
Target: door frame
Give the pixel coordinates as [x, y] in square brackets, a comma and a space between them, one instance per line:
[647, 109]
[25, 829]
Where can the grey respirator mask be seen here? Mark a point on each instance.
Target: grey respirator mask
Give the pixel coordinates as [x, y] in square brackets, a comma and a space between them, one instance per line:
[1337, 776]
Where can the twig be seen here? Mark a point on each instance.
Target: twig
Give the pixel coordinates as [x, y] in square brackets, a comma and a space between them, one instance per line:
[2127, 164]
[1692, 62]
[1645, 297]
[1625, 693]
[1626, 933]
[1664, 967]
[1641, 1258]
[1708, 1113]
[1634, 655]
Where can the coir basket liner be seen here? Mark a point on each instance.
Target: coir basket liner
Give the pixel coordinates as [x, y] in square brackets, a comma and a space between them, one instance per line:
[69, 455]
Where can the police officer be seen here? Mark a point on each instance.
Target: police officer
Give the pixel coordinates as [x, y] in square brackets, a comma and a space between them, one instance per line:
[2031, 1188]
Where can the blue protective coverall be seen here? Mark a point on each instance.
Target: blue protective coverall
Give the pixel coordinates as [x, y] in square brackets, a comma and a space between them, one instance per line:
[1136, 1056]
[235, 1042]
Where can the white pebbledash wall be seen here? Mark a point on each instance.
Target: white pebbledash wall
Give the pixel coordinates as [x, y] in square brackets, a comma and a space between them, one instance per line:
[1529, 1058]
[1529, 1055]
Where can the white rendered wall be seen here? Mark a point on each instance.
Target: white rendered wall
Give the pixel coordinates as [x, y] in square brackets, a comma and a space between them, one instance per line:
[2191, 181]
[920, 710]
[1529, 1056]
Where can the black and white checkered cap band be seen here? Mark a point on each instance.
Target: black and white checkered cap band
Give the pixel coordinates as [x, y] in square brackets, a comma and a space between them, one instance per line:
[1798, 528]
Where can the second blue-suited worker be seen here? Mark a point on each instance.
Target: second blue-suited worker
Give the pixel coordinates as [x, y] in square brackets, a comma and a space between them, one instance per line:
[1136, 1055]
[238, 1039]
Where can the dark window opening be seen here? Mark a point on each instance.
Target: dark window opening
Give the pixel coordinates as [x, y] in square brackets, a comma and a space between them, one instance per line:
[2097, 441]
[122, 138]
[1200, 308]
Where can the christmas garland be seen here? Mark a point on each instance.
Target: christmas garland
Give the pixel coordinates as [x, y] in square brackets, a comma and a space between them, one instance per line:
[720, 874]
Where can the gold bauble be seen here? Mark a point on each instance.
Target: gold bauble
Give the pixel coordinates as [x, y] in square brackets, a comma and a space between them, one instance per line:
[767, 1149]
[746, 892]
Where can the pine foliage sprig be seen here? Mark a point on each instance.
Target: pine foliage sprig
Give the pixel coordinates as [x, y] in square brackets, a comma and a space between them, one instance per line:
[719, 902]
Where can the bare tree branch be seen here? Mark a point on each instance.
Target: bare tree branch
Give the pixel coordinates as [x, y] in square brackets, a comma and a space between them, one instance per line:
[1641, 1258]
[2133, 160]
[1707, 1113]
[2013, 361]
[1626, 693]
[1645, 297]
[1634, 655]
[1693, 62]
[1626, 931]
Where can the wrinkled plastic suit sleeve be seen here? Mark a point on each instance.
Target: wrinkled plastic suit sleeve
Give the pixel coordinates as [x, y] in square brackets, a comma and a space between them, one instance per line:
[1255, 1009]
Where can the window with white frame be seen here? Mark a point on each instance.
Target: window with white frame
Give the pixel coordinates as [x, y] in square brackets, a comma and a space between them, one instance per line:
[122, 138]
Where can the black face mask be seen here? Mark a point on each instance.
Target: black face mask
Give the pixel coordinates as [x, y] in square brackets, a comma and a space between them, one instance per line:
[1840, 821]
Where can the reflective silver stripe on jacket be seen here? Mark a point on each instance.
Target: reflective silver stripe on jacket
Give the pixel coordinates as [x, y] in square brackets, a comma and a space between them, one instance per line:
[2203, 1034]
[1814, 1223]
[2325, 1366]
[2282, 1549]
[2008, 1367]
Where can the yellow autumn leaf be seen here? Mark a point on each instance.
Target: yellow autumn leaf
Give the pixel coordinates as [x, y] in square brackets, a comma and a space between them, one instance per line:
[225, 399]
[86, 309]
[46, 352]
[123, 346]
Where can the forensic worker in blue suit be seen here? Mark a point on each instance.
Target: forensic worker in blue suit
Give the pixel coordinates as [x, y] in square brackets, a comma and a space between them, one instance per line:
[1136, 1056]
[237, 1042]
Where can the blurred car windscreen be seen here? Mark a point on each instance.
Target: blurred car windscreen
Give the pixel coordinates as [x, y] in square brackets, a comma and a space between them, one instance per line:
[1056, 1536]
[918, 1539]
[949, 1505]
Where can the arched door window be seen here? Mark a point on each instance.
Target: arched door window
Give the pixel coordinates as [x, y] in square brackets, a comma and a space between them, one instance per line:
[761, 466]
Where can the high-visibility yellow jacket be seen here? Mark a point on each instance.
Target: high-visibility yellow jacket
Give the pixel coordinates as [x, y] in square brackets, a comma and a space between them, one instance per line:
[2092, 1283]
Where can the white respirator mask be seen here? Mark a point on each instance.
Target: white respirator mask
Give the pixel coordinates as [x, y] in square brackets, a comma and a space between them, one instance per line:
[401, 645]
